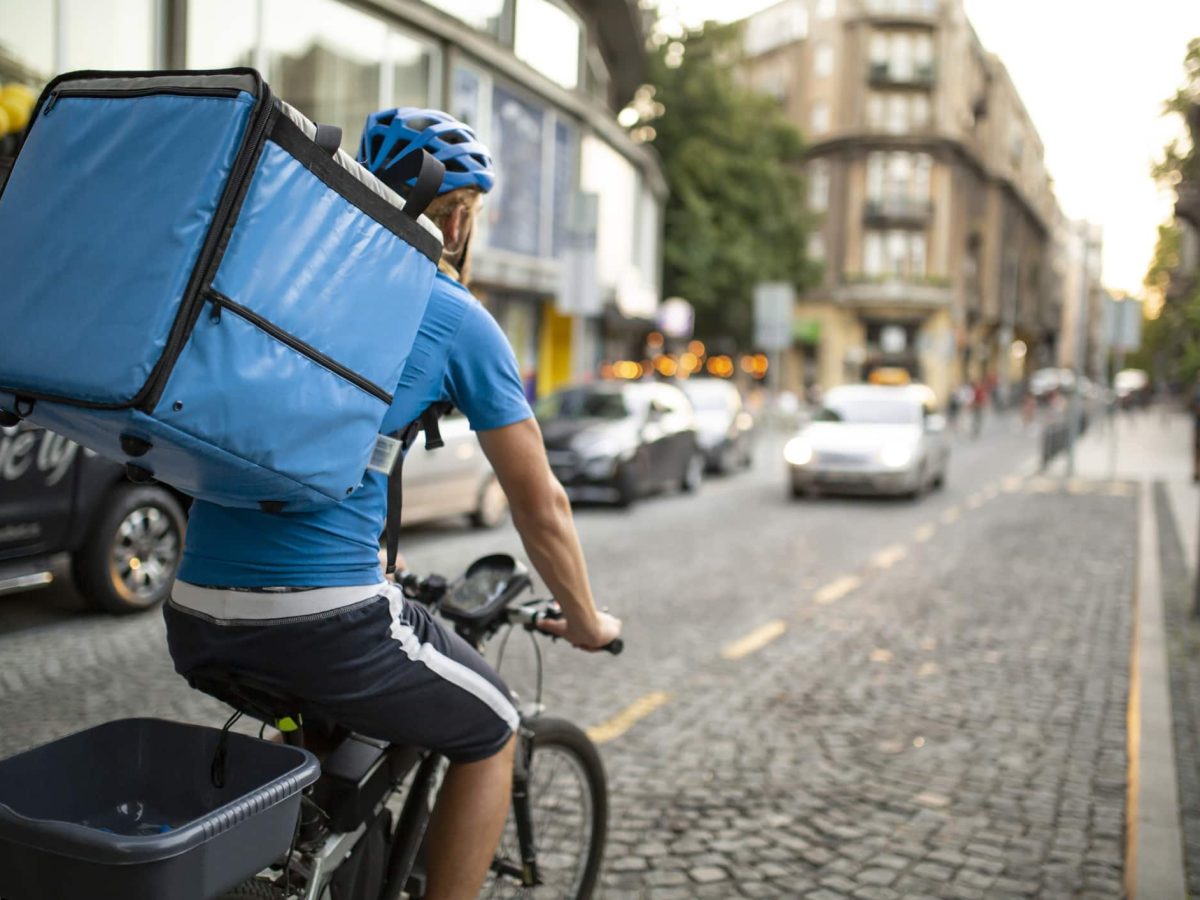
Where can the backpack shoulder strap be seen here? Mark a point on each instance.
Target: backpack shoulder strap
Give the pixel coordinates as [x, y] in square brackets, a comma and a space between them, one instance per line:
[427, 422]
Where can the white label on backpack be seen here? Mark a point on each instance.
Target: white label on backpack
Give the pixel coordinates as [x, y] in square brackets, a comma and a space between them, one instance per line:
[385, 454]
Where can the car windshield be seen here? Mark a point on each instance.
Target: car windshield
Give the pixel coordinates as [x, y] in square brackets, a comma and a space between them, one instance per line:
[870, 410]
[583, 403]
[710, 396]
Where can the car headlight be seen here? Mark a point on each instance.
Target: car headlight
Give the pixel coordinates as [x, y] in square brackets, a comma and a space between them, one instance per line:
[896, 456]
[798, 452]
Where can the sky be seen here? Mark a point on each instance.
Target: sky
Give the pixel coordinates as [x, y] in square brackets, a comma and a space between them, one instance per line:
[1093, 75]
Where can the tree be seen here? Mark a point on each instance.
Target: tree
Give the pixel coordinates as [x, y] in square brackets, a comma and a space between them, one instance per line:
[735, 215]
[1171, 339]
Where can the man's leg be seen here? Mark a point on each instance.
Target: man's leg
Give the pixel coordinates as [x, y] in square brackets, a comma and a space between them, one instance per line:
[467, 823]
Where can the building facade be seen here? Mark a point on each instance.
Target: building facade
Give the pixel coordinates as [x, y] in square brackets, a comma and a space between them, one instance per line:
[570, 246]
[936, 218]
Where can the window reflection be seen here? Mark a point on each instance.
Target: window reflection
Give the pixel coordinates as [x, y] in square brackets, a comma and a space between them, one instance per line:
[547, 37]
[26, 41]
[220, 34]
[324, 59]
[413, 71]
[110, 34]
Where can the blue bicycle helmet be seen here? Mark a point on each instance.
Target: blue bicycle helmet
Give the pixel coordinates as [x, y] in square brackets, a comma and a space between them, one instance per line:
[391, 134]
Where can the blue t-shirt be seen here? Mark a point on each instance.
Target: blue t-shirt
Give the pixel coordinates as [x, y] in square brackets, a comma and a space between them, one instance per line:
[460, 356]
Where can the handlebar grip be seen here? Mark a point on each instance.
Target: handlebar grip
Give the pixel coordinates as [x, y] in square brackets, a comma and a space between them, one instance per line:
[615, 646]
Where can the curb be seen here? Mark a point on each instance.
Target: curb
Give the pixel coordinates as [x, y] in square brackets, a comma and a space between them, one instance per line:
[1154, 868]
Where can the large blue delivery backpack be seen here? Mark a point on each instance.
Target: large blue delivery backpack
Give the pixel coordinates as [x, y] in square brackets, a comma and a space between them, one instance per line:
[198, 283]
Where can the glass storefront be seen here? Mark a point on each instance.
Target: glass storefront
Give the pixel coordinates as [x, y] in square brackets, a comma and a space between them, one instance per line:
[334, 63]
[35, 44]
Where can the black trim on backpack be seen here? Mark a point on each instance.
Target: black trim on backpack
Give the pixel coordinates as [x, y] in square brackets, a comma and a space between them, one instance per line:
[288, 135]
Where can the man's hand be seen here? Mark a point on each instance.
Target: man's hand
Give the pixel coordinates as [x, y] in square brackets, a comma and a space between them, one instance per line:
[591, 637]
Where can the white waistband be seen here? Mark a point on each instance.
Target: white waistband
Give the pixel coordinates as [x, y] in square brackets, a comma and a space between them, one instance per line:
[234, 605]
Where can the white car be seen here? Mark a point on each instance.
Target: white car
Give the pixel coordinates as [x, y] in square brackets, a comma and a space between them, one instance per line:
[871, 439]
[453, 480]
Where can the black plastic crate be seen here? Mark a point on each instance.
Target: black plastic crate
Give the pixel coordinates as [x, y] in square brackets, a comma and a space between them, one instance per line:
[128, 811]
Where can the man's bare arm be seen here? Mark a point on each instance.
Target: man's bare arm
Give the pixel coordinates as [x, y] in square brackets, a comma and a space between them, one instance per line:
[542, 515]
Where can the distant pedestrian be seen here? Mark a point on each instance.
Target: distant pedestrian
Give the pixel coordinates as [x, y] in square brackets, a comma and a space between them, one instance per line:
[953, 405]
[978, 402]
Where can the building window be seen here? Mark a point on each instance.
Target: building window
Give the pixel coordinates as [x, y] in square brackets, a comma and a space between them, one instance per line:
[898, 175]
[898, 112]
[826, 9]
[26, 41]
[35, 43]
[221, 34]
[894, 254]
[548, 38]
[324, 58]
[823, 60]
[901, 56]
[415, 66]
[467, 94]
[816, 246]
[820, 117]
[517, 140]
[818, 185]
[487, 16]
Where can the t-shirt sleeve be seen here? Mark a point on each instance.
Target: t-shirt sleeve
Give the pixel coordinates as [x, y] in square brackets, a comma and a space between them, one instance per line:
[482, 378]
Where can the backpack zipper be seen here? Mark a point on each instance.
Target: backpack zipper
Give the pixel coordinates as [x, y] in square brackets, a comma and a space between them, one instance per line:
[219, 301]
[181, 91]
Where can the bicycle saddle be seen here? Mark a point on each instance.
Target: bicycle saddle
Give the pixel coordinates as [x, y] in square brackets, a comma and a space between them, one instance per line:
[247, 694]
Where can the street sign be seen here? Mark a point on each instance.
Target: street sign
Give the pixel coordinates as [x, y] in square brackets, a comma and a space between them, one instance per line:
[1122, 323]
[773, 309]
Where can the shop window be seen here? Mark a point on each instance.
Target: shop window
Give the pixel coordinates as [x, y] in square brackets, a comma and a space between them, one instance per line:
[110, 34]
[517, 146]
[818, 185]
[488, 16]
[26, 41]
[548, 38]
[566, 154]
[415, 67]
[221, 34]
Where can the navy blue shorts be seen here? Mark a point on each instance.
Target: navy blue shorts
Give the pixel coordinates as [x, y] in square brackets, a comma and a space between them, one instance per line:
[383, 667]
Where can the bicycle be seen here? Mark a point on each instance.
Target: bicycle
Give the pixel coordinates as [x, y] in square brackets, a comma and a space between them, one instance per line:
[346, 844]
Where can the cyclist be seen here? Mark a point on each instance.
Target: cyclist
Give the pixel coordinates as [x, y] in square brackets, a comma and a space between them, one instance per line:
[299, 599]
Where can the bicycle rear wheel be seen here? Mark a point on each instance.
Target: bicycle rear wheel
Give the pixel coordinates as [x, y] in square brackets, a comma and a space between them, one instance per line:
[568, 805]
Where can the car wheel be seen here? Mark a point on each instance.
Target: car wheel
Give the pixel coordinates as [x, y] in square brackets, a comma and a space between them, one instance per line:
[920, 486]
[493, 505]
[693, 473]
[130, 558]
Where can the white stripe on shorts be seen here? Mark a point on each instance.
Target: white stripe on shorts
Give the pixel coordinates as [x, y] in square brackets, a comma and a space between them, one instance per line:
[455, 672]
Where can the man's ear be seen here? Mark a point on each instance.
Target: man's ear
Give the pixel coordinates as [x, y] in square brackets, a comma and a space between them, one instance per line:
[452, 230]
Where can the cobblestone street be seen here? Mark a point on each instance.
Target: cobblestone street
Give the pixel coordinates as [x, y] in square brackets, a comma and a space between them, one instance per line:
[824, 698]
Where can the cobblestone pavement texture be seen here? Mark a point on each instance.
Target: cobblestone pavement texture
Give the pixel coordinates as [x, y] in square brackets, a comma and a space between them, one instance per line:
[1183, 652]
[952, 726]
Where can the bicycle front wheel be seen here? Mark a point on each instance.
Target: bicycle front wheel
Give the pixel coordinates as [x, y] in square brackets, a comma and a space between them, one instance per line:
[568, 810]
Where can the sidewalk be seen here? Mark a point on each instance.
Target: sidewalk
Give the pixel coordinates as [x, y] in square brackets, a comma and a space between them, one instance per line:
[1154, 449]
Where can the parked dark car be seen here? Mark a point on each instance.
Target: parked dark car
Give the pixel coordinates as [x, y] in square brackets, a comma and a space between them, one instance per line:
[617, 441]
[124, 539]
[723, 426]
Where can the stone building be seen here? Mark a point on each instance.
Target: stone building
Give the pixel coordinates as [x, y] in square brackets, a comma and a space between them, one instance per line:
[936, 216]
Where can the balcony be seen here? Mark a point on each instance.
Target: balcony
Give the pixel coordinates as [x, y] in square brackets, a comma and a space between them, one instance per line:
[927, 292]
[898, 209]
[884, 75]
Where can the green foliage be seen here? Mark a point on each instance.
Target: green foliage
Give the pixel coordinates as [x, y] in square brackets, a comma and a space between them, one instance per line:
[1170, 348]
[1182, 161]
[736, 210]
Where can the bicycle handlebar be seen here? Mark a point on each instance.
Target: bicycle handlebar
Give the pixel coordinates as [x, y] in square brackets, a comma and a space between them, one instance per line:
[431, 589]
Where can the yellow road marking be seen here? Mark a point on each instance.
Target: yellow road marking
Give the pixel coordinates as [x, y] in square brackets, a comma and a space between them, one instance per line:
[951, 515]
[755, 640]
[837, 589]
[889, 556]
[924, 533]
[627, 718]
